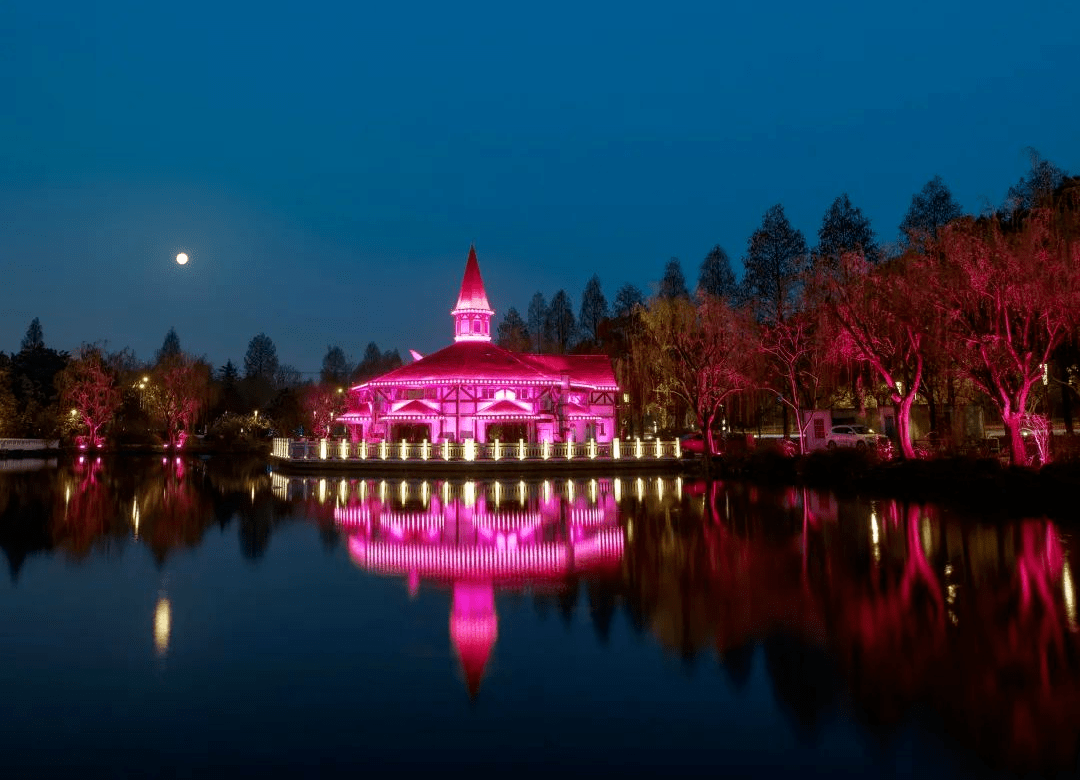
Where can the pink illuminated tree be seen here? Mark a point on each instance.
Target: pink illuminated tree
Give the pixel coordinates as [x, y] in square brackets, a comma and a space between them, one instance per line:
[177, 392]
[883, 320]
[797, 351]
[702, 353]
[1010, 294]
[88, 388]
[323, 403]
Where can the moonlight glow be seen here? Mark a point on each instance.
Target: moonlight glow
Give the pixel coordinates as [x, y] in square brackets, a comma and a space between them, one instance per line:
[182, 258]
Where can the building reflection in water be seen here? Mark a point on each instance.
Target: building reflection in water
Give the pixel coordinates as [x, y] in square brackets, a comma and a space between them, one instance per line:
[475, 538]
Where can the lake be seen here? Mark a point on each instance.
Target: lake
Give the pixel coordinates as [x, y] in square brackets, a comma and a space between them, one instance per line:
[167, 617]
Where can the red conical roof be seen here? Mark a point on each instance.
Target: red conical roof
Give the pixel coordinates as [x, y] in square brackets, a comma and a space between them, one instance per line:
[472, 297]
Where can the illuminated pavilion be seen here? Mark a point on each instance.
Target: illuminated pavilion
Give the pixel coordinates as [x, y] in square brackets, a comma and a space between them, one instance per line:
[476, 390]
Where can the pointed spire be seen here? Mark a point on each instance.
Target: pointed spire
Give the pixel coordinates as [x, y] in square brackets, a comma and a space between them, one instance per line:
[473, 313]
[474, 627]
[472, 296]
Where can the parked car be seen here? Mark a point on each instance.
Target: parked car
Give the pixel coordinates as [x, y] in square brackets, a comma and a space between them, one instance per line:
[858, 436]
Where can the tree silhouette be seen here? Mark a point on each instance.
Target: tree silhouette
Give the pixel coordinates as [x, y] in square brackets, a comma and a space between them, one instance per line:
[512, 333]
[1036, 188]
[261, 360]
[716, 277]
[335, 366]
[845, 229]
[673, 283]
[594, 308]
[628, 297]
[775, 261]
[537, 319]
[559, 323]
[931, 209]
[35, 337]
[170, 347]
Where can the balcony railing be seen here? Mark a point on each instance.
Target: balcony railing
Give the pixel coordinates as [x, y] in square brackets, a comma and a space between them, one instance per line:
[485, 452]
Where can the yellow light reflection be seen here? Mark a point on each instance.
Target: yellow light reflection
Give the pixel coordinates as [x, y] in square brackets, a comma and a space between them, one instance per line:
[618, 490]
[1068, 590]
[162, 625]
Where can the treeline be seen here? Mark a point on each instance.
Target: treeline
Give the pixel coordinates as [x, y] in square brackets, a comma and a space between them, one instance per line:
[96, 395]
[552, 326]
[969, 310]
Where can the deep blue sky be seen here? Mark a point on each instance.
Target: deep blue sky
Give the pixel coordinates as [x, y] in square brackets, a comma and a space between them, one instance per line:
[327, 168]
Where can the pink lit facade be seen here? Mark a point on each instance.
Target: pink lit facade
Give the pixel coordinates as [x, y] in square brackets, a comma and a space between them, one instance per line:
[476, 390]
[478, 539]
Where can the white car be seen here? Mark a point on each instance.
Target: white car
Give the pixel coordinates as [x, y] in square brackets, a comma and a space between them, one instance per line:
[858, 436]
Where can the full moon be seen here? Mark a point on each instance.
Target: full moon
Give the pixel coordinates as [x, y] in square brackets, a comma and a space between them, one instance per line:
[182, 258]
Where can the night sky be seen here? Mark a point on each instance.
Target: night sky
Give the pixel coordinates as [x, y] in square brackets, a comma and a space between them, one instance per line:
[327, 168]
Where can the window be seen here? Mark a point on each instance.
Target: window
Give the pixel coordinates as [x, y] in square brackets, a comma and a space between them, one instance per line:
[414, 393]
[819, 428]
[431, 393]
[523, 394]
[476, 326]
[505, 394]
[487, 393]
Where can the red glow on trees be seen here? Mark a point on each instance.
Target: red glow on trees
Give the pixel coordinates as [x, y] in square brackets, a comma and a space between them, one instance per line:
[700, 353]
[323, 404]
[176, 394]
[89, 389]
[1010, 294]
[879, 313]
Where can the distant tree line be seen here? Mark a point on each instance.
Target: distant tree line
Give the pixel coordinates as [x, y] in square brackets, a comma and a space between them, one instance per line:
[96, 396]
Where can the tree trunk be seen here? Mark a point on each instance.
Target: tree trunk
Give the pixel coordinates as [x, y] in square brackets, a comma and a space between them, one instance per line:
[1013, 431]
[903, 426]
[1066, 396]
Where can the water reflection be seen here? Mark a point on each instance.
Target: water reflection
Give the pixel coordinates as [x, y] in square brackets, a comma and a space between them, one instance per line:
[888, 613]
[474, 538]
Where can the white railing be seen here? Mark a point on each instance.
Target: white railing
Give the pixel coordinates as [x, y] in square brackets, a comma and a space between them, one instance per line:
[29, 445]
[469, 450]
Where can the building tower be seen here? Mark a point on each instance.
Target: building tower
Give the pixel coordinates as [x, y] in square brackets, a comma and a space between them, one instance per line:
[472, 315]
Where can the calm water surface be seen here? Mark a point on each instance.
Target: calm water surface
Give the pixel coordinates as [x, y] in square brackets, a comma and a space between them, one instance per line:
[184, 618]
